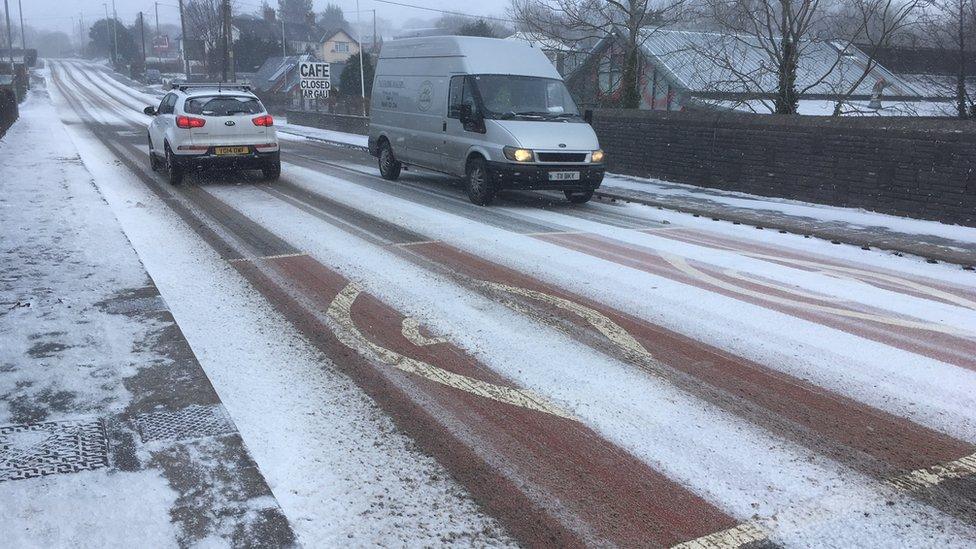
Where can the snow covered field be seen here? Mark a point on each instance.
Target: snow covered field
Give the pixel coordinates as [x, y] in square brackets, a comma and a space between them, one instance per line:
[773, 387]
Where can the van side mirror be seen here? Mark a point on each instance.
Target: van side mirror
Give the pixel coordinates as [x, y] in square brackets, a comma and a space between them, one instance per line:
[588, 116]
[151, 111]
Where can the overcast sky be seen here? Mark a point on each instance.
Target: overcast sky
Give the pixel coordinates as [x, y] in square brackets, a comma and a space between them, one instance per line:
[63, 14]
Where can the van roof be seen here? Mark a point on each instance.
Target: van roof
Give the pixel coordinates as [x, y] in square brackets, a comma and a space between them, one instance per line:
[481, 55]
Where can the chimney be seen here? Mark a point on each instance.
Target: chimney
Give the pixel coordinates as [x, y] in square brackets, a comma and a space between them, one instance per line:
[269, 14]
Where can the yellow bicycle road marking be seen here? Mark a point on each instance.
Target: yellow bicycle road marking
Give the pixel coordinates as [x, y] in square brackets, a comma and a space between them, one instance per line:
[340, 311]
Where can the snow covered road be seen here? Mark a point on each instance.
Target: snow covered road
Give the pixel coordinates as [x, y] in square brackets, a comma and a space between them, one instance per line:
[596, 374]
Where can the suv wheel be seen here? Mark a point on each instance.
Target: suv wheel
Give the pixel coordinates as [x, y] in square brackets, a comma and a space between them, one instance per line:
[578, 197]
[272, 171]
[478, 182]
[173, 168]
[389, 166]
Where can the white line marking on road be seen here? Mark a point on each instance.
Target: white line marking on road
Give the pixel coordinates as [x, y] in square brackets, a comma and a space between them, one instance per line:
[747, 532]
[610, 329]
[255, 258]
[411, 330]
[683, 266]
[340, 311]
[935, 475]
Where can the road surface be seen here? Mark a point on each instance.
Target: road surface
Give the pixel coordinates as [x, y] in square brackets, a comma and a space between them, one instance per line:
[602, 374]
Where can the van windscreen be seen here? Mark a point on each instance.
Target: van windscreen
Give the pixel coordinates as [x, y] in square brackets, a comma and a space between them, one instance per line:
[507, 96]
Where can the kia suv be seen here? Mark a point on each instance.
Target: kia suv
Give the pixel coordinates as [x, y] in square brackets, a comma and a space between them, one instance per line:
[225, 126]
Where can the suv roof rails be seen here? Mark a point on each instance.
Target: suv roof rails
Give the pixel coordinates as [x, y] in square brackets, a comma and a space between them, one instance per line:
[184, 86]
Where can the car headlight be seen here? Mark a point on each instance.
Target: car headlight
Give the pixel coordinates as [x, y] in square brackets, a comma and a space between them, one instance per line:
[518, 155]
[597, 156]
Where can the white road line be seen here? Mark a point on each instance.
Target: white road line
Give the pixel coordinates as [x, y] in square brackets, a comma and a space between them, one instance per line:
[933, 476]
[682, 265]
[737, 536]
[410, 329]
[340, 311]
[255, 258]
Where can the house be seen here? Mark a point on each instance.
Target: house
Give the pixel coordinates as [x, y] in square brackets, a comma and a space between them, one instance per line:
[334, 45]
[276, 81]
[686, 70]
[337, 46]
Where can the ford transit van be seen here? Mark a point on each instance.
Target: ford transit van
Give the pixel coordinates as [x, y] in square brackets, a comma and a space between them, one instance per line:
[494, 112]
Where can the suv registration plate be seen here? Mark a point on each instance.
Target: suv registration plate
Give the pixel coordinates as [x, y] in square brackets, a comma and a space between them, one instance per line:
[231, 150]
[564, 176]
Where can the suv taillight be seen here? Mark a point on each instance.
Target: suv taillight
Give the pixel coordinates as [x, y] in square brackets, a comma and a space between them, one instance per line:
[263, 120]
[187, 122]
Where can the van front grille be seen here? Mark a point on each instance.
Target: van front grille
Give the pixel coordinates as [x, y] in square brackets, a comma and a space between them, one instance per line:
[561, 157]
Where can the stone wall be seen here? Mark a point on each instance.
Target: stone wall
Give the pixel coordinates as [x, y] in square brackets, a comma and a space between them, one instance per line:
[337, 122]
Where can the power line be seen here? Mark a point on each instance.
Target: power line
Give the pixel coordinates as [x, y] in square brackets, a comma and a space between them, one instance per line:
[447, 12]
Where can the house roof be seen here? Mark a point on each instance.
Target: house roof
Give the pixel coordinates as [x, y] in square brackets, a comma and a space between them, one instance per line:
[271, 30]
[727, 63]
[278, 74]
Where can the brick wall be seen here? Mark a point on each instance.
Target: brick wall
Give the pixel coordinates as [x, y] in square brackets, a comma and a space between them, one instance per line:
[915, 167]
[338, 122]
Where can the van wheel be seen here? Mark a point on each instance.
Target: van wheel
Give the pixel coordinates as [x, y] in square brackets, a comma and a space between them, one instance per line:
[173, 168]
[480, 190]
[578, 197]
[389, 166]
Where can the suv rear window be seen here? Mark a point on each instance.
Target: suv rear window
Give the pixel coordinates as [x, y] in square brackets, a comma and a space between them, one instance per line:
[223, 105]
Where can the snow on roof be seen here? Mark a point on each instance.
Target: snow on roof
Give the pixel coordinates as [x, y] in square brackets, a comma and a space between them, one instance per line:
[713, 62]
[540, 41]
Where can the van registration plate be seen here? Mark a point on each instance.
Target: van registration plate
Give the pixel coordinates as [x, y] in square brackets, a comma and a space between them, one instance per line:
[564, 176]
[231, 150]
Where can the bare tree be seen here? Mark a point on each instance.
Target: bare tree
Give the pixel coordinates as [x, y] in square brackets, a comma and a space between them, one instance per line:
[874, 24]
[204, 22]
[571, 21]
[950, 26]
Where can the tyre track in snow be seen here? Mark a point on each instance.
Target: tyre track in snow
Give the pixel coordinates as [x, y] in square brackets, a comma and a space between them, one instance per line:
[906, 444]
[877, 443]
[551, 479]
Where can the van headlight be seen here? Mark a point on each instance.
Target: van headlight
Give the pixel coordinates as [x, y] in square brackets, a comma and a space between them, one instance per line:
[597, 156]
[518, 155]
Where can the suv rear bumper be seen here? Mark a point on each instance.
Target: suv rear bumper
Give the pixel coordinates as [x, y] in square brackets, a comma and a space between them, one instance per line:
[506, 175]
[253, 160]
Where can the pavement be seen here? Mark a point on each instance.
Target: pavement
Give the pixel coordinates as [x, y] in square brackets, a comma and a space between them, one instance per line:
[108, 424]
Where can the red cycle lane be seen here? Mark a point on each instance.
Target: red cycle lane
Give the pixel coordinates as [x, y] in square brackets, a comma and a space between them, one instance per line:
[548, 477]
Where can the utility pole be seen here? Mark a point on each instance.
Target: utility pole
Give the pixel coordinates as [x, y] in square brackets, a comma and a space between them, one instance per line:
[10, 36]
[115, 30]
[157, 18]
[108, 39]
[23, 37]
[186, 62]
[283, 55]
[374, 32]
[81, 31]
[359, 41]
[228, 71]
[142, 34]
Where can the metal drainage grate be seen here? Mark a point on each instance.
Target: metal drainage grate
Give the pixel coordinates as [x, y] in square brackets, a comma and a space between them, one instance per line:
[40, 449]
[190, 422]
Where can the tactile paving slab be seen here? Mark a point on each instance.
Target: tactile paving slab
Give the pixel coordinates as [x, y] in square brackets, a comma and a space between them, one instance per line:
[190, 422]
[53, 447]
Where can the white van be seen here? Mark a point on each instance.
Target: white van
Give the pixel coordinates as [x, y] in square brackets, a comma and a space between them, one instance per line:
[494, 112]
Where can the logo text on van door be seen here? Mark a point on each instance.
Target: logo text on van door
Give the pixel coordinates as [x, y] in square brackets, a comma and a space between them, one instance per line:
[426, 96]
